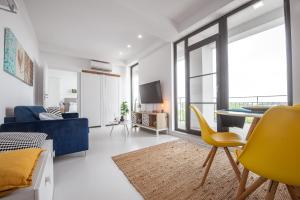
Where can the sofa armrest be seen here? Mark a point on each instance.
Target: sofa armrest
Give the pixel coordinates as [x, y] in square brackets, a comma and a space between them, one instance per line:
[70, 115]
[9, 119]
[69, 135]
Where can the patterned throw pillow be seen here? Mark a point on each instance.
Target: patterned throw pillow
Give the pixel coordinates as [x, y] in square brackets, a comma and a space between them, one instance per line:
[55, 111]
[48, 116]
[19, 140]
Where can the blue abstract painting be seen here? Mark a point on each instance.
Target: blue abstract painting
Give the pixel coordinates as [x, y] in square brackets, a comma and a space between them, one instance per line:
[16, 60]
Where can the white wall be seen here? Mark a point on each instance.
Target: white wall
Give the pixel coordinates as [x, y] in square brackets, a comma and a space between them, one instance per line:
[295, 17]
[13, 91]
[158, 66]
[62, 62]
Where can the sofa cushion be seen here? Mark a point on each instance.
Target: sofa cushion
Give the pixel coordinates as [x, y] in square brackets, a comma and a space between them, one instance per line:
[28, 113]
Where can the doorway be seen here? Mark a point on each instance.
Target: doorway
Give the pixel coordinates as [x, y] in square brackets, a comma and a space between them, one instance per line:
[61, 90]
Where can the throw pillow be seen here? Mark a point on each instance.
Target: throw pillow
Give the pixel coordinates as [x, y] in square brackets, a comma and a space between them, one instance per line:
[49, 116]
[15, 140]
[55, 111]
[16, 169]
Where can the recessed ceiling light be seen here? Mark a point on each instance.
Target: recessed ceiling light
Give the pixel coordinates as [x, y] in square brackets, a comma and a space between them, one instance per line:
[140, 36]
[120, 53]
[128, 46]
[258, 5]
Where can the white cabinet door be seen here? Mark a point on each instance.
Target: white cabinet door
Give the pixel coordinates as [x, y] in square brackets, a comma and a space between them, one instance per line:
[91, 98]
[110, 101]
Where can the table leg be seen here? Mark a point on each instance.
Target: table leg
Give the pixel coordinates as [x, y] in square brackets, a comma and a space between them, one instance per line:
[111, 130]
[253, 125]
[127, 129]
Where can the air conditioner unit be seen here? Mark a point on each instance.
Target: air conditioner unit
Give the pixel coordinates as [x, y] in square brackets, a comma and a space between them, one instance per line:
[8, 5]
[101, 66]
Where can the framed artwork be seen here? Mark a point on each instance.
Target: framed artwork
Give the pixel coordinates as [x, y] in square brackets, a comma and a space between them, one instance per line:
[16, 60]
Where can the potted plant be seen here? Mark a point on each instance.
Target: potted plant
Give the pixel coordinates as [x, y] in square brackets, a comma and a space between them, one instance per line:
[124, 110]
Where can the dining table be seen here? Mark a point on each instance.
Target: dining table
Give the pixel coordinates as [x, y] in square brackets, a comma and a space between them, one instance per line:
[234, 113]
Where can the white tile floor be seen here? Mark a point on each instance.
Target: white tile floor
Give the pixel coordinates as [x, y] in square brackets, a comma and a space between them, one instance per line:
[96, 177]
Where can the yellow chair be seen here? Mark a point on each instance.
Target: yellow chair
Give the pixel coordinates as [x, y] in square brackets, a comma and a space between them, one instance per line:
[273, 152]
[297, 106]
[216, 140]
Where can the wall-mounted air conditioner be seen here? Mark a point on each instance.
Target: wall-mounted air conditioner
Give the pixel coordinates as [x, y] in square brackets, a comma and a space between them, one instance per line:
[101, 66]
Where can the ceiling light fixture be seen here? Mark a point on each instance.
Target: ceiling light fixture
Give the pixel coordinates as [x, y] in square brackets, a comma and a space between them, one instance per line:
[120, 53]
[140, 36]
[128, 46]
[258, 5]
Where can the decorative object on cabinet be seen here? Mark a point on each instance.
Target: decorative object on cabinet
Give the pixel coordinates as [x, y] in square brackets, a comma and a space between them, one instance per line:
[124, 110]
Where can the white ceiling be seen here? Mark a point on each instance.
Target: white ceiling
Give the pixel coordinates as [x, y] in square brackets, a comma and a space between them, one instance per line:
[100, 29]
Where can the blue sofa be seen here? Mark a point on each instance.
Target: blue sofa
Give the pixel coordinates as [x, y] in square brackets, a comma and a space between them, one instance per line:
[69, 135]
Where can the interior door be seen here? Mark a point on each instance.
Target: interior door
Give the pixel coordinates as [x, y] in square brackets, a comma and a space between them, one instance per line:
[110, 101]
[202, 82]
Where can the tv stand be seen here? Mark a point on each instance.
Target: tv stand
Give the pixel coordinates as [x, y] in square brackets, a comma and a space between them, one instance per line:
[152, 121]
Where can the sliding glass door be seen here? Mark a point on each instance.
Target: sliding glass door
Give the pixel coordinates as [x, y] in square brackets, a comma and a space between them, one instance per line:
[197, 66]
[202, 81]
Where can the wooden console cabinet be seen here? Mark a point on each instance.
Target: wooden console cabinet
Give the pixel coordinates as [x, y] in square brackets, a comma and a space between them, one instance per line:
[153, 121]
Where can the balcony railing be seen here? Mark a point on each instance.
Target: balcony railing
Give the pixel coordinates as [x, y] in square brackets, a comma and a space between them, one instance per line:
[238, 102]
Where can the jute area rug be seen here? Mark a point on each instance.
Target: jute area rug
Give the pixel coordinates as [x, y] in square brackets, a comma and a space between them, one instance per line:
[172, 171]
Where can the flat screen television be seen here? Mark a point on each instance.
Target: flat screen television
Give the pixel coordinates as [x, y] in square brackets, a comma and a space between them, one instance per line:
[151, 93]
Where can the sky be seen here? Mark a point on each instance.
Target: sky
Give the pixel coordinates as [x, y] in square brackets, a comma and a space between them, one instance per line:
[257, 66]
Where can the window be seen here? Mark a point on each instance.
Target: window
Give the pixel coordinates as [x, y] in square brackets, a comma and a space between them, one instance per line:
[241, 59]
[180, 90]
[257, 61]
[257, 56]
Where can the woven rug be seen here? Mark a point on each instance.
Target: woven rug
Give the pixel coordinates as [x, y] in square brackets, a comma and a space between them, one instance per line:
[172, 171]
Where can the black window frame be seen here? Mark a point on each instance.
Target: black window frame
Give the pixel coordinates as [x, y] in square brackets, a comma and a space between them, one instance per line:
[131, 86]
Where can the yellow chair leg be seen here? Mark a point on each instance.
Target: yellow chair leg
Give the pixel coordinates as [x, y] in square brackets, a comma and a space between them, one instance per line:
[214, 150]
[208, 157]
[253, 125]
[272, 190]
[243, 182]
[252, 188]
[233, 164]
[293, 192]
